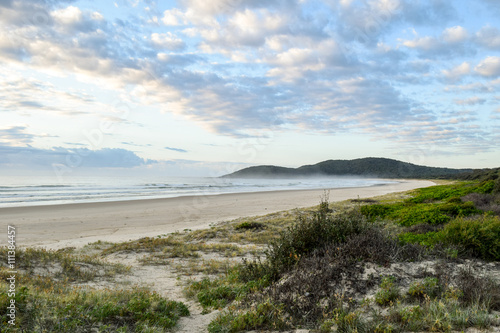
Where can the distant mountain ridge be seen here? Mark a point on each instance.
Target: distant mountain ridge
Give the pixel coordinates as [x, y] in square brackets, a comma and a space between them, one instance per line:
[366, 167]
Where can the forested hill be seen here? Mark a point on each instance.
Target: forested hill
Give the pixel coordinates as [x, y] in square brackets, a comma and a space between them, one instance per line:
[367, 167]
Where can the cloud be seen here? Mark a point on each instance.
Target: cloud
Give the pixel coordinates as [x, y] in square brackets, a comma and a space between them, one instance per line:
[32, 96]
[167, 41]
[179, 150]
[457, 72]
[18, 136]
[68, 16]
[456, 34]
[470, 101]
[241, 67]
[218, 7]
[489, 67]
[64, 158]
[174, 17]
[477, 87]
[489, 37]
[452, 41]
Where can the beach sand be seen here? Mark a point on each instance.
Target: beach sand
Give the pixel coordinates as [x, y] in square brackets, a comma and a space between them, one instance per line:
[60, 226]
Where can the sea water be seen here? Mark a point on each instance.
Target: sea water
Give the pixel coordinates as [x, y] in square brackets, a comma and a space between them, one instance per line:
[31, 191]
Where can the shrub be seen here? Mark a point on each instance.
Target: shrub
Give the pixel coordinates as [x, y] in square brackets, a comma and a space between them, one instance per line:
[249, 226]
[428, 287]
[459, 209]
[423, 228]
[441, 192]
[262, 315]
[481, 237]
[388, 292]
[475, 289]
[378, 210]
[427, 239]
[496, 187]
[213, 295]
[218, 293]
[304, 237]
[486, 187]
[348, 322]
[317, 283]
[430, 214]
[411, 317]
[485, 202]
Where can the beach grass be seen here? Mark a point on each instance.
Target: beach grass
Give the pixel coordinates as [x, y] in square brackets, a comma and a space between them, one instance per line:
[53, 295]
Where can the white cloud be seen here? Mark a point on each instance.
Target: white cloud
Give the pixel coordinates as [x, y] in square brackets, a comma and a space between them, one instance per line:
[458, 71]
[69, 15]
[261, 64]
[174, 17]
[425, 43]
[167, 41]
[455, 34]
[489, 67]
[470, 101]
[246, 28]
[453, 40]
[97, 16]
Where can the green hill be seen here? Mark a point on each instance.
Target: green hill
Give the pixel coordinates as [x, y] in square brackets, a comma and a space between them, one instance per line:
[366, 167]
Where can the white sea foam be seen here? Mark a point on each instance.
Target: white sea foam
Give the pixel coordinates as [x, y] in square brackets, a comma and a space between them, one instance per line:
[30, 191]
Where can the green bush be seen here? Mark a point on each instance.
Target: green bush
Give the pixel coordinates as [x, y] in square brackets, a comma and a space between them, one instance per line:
[496, 188]
[263, 315]
[215, 296]
[388, 292]
[219, 292]
[418, 214]
[249, 226]
[379, 210]
[459, 209]
[441, 192]
[349, 322]
[427, 239]
[308, 234]
[428, 287]
[410, 214]
[481, 237]
[486, 187]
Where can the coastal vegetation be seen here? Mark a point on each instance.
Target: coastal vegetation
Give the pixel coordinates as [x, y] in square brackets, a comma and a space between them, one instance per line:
[425, 260]
[314, 275]
[52, 296]
[365, 167]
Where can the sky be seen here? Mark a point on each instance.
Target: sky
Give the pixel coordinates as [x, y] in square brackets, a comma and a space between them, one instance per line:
[196, 87]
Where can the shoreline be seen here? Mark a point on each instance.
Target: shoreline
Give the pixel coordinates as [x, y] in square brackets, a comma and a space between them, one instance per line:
[151, 196]
[77, 224]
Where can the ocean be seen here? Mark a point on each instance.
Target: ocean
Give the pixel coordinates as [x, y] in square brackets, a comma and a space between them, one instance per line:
[34, 191]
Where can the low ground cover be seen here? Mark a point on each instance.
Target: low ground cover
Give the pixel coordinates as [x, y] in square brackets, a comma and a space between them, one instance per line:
[340, 270]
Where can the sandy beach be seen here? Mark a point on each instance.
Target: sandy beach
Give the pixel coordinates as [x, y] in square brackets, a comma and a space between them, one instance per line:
[60, 226]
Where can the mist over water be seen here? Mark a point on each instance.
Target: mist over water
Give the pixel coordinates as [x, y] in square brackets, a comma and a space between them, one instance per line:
[34, 191]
